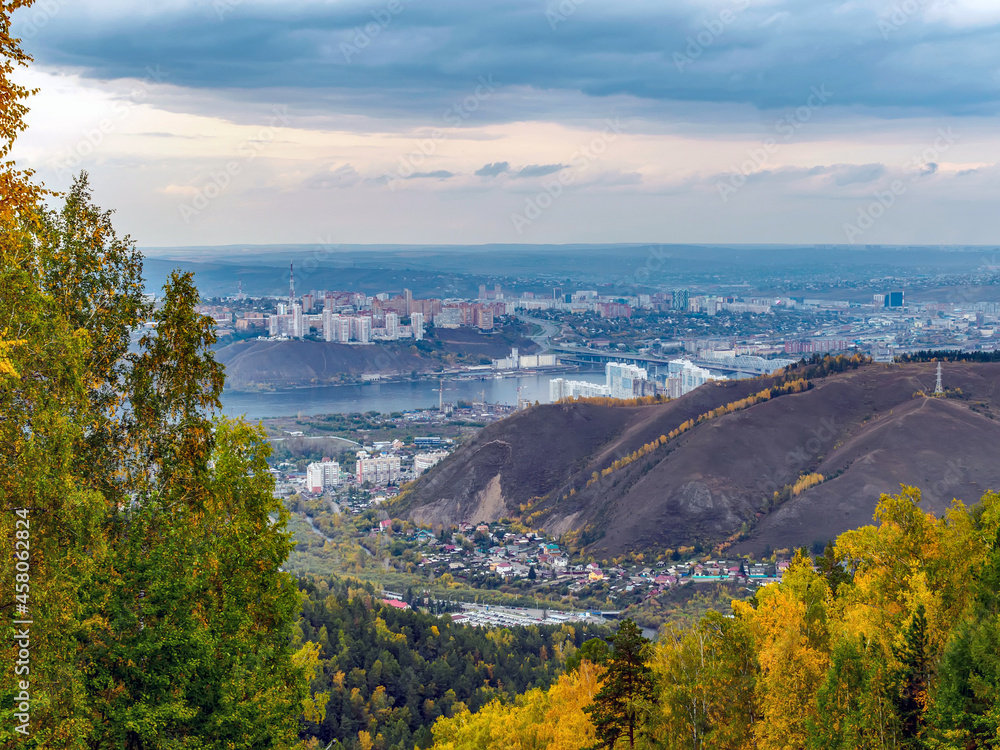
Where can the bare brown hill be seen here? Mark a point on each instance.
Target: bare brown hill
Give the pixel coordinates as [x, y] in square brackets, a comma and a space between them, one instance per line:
[864, 431]
[261, 363]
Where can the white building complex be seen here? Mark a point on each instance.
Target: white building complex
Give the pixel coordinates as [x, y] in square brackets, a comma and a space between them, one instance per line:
[560, 388]
[322, 474]
[622, 379]
[362, 329]
[524, 361]
[684, 376]
[423, 461]
[336, 327]
[377, 469]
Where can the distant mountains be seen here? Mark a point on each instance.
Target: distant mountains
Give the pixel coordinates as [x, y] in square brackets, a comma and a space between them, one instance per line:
[864, 431]
[456, 270]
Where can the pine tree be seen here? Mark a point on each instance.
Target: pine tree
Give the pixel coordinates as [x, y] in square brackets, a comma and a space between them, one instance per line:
[914, 678]
[628, 689]
[829, 565]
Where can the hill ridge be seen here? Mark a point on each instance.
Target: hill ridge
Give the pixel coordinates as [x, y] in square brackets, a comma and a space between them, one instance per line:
[719, 477]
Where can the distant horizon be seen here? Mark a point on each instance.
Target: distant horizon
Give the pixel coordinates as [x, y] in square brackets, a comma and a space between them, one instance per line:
[947, 247]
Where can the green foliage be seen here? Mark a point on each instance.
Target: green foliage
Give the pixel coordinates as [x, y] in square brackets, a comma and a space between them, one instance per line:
[832, 569]
[394, 672]
[967, 709]
[161, 618]
[821, 365]
[698, 665]
[595, 650]
[628, 690]
[954, 355]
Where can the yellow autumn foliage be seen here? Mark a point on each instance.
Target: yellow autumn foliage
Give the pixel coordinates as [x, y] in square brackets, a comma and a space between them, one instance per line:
[805, 482]
[550, 719]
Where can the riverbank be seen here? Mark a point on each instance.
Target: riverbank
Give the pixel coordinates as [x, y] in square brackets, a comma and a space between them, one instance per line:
[392, 396]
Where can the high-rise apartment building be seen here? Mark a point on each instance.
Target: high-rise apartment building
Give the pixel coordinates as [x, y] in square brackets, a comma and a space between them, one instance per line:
[560, 388]
[621, 379]
[322, 474]
[392, 326]
[362, 329]
[377, 469]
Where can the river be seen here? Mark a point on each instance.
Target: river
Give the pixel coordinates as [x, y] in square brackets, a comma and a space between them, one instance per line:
[390, 397]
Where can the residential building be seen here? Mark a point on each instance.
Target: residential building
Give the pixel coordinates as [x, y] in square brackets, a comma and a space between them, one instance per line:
[391, 326]
[322, 474]
[377, 469]
[362, 329]
[621, 379]
[423, 461]
[560, 388]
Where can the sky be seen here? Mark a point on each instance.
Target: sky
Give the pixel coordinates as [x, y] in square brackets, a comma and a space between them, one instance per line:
[218, 122]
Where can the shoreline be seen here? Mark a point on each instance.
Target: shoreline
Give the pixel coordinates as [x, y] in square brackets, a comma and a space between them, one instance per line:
[448, 377]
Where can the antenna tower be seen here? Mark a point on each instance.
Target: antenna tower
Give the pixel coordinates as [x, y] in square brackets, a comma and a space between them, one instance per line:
[938, 388]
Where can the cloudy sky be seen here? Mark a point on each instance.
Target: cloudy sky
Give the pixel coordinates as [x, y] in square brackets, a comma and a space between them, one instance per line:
[450, 121]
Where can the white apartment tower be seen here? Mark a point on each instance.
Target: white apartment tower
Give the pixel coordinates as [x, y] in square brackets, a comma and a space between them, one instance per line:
[329, 332]
[322, 474]
[362, 329]
[336, 327]
[392, 326]
[621, 379]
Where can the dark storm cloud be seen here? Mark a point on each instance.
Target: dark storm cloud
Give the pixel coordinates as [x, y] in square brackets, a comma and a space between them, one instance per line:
[414, 58]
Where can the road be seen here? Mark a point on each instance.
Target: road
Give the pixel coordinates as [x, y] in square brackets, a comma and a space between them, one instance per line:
[549, 330]
[315, 437]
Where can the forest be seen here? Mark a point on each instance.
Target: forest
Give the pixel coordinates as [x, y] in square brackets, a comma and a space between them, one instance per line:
[888, 640]
[952, 355]
[387, 674]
